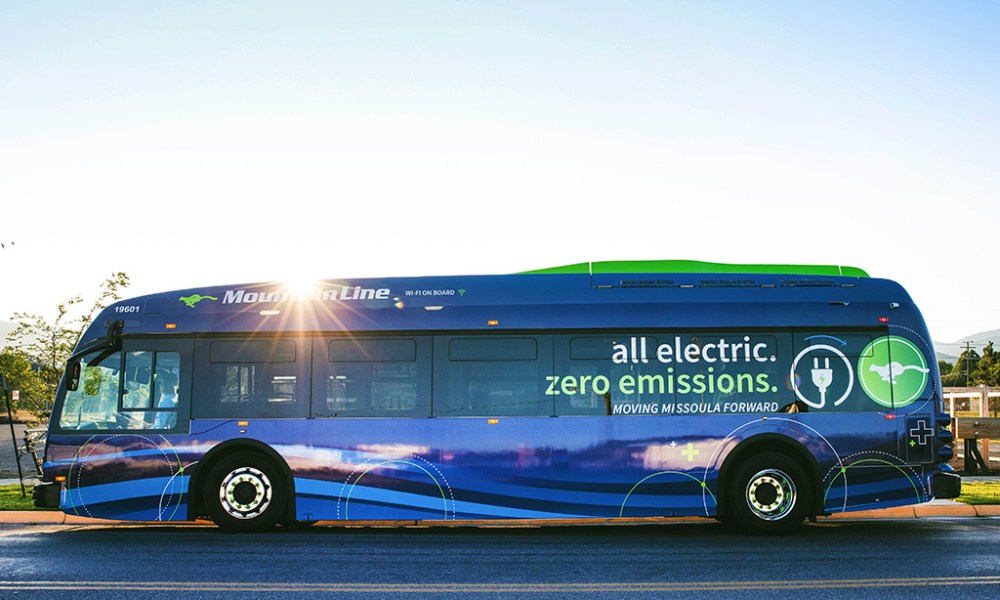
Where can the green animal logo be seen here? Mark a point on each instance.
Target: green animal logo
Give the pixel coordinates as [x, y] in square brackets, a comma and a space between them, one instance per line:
[193, 299]
[893, 371]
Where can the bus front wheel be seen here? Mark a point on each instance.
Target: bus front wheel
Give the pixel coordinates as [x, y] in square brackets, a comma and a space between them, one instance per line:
[244, 493]
[769, 494]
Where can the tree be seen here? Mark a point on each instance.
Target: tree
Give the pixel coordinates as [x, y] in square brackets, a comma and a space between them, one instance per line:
[987, 371]
[961, 375]
[22, 376]
[49, 343]
[945, 367]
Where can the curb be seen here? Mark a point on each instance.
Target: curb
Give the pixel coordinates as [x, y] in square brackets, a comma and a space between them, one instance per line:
[53, 517]
[919, 512]
[957, 510]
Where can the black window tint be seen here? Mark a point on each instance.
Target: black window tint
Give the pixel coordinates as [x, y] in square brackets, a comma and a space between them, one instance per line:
[372, 377]
[492, 376]
[593, 347]
[615, 374]
[252, 351]
[493, 349]
[245, 379]
[373, 350]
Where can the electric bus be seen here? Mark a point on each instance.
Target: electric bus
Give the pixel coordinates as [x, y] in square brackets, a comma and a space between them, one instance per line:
[759, 395]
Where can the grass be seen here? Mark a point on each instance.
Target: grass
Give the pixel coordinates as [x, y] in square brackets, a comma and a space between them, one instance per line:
[11, 499]
[980, 492]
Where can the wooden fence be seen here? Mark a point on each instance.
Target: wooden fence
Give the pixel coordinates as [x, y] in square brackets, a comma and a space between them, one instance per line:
[975, 413]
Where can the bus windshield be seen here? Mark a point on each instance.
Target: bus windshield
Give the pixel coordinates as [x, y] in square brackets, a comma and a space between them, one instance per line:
[94, 404]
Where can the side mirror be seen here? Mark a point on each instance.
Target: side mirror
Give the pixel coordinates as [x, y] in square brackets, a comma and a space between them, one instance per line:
[73, 375]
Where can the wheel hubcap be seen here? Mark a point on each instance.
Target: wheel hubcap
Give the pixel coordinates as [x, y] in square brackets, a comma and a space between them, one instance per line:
[771, 494]
[245, 493]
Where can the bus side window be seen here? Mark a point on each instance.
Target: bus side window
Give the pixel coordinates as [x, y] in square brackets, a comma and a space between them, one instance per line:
[166, 384]
[731, 372]
[372, 377]
[149, 397]
[500, 375]
[252, 378]
[615, 374]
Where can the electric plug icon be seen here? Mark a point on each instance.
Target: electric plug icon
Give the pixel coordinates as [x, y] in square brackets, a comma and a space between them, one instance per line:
[822, 377]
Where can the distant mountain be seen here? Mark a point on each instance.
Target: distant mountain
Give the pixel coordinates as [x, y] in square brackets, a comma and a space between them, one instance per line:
[951, 352]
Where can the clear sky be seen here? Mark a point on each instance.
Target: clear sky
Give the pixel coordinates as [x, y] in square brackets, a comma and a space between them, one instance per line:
[200, 142]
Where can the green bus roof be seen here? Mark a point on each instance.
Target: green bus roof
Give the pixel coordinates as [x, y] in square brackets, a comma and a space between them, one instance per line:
[695, 266]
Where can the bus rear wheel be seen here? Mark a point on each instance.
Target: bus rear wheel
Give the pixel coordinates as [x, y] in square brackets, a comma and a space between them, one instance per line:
[769, 494]
[244, 493]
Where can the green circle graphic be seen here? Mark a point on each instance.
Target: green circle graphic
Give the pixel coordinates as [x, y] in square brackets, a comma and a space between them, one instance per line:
[892, 371]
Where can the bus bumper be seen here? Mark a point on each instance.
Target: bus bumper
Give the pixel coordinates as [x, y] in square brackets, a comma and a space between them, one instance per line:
[46, 495]
[947, 485]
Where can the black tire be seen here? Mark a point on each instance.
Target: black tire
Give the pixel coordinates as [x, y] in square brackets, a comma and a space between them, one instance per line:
[770, 494]
[245, 492]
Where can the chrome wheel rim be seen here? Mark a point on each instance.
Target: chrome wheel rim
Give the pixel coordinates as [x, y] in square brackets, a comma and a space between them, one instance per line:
[245, 493]
[771, 494]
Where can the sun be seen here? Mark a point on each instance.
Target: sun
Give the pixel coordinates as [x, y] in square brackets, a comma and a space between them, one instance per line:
[301, 282]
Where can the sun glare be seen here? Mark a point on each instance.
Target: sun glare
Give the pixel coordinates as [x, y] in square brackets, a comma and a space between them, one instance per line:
[301, 284]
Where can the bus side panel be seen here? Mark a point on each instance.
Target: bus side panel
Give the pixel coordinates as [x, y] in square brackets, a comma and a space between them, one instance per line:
[576, 467]
[478, 468]
[130, 476]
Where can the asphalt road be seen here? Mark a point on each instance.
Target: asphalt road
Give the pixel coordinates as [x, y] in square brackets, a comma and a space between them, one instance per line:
[853, 559]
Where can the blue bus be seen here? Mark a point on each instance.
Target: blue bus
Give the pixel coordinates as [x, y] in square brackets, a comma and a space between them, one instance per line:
[759, 395]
